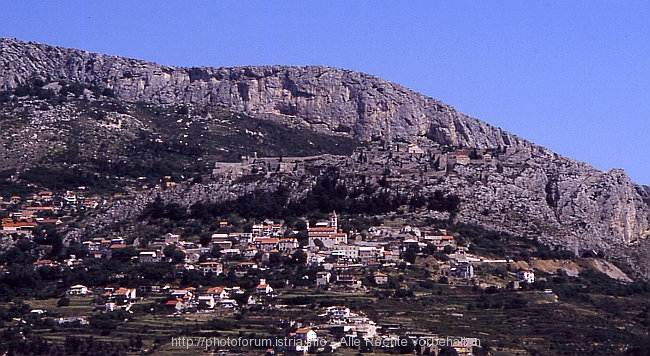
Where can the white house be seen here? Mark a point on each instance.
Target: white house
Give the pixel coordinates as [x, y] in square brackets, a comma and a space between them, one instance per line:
[148, 256]
[323, 278]
[176, 304]
[306, 335]
[228, 303]
[338, 312]
[218, 292]
[215, 268]
[207, 301]
[124, 295]
[381, 278]
[181, 294]
[526, 274]
[347, 251]
[78, 289]
[287, 244]
[263, 287]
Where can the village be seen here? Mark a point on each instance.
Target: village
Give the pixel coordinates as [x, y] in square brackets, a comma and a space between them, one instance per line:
[379, 262]
[344, 263]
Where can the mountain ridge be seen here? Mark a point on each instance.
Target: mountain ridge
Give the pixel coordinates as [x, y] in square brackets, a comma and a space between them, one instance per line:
[363, 105]
[539, 192]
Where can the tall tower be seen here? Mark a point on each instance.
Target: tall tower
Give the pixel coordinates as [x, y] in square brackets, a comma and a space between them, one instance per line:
[334, 221]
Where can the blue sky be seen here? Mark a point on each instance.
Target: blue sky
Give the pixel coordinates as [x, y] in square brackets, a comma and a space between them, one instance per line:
[573, 76]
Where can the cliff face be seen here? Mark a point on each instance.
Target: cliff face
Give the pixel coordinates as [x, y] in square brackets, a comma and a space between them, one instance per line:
[323, 98]
[535, 193]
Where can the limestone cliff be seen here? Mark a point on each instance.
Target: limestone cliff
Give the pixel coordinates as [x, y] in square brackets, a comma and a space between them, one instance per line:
[323, 98]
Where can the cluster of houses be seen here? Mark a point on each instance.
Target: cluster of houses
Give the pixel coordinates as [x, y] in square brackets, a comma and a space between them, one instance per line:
[190, 299]
[343, 261]
[179, 300]
[339, 327]
[25, 213]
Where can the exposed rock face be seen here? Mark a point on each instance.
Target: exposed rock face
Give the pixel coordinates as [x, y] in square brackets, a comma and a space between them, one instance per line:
[321, 97]
[535, 193]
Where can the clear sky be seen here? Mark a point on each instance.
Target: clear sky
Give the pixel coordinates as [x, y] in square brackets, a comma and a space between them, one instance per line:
[573, 76]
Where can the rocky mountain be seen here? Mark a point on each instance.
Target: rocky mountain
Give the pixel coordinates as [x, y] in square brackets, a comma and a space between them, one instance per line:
[528, 190]
[323, 98]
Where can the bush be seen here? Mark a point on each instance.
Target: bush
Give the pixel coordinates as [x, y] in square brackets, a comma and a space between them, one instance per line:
[102, 322]
[63, 302]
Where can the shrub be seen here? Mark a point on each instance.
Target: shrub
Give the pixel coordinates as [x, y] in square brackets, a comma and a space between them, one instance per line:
[63, 302]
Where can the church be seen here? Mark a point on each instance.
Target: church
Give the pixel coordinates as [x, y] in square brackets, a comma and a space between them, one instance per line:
[327, 232]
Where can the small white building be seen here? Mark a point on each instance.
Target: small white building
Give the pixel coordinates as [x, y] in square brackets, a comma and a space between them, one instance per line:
[78, 289]
[306, 335]
[207, 301]
[338, 312]
[288, 244]
[228, 303]
[526, 274]
[213, 267]
[381, 278]
[148, 257]
[323, 278]
[263, 287]
[218, 293]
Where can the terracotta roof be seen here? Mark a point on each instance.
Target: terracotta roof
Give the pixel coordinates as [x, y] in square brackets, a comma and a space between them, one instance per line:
[42, 262]
[39, 208]
[49, 221]
[217, 290]
[267, 240]
[19, 224]
[122, 291]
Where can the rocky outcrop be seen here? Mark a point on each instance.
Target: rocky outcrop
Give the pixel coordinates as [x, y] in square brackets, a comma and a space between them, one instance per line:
[322, 98]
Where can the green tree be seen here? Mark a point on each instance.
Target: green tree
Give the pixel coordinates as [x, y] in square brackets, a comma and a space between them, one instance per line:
[299, 257]
[168, 251]
[63, 302]
[124, 254]
[178, 256]
[205, 238]
[410, 254]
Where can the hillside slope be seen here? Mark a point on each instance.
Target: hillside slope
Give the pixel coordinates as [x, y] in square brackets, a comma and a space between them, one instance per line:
[534, 193]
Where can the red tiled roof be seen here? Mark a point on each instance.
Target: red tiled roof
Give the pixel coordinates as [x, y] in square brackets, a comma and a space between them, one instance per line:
[49, 221]
[267, 240]
[19, 224]
[216, 290]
